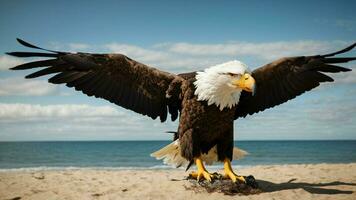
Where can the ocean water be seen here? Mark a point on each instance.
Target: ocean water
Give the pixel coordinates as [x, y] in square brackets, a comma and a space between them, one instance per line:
[136, 154]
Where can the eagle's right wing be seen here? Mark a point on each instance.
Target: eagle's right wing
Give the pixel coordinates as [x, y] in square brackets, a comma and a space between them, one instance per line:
[113, 77]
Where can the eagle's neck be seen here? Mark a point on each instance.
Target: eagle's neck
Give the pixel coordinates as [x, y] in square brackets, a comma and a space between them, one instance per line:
[212, 88]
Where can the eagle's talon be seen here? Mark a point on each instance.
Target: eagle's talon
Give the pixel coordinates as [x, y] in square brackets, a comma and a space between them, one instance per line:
[202, 174]
[235, 178]
[230, 174]
[241, 179]
[207, 176]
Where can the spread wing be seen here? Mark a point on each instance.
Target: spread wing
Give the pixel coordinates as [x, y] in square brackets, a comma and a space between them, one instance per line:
[286, 78]
[113, 77]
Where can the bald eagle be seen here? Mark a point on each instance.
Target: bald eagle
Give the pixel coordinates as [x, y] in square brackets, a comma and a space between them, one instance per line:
[207, 102]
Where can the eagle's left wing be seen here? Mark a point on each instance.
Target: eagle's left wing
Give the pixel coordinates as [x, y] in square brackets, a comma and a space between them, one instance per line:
[286, 78]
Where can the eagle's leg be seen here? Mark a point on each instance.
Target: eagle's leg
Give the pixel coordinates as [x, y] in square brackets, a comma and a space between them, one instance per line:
[229, 173]
[202, 172]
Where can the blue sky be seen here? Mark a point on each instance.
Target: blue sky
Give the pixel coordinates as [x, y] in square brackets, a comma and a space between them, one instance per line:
[176, 37]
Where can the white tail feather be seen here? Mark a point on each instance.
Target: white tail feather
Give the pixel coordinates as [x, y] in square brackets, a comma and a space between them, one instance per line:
[171, 155]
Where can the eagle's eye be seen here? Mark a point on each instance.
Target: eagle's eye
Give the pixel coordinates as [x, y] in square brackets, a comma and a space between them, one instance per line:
[230, 74]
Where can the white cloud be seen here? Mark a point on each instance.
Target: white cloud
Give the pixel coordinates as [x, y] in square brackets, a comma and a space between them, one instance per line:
[162, 58]
[267, 50]
[74, 121]
[137, 52]
[19, 86]
[191, 56]
[300, 119]
[19, 112]
[7, 62]
[347, 77]
[337, 113]
[332, 107]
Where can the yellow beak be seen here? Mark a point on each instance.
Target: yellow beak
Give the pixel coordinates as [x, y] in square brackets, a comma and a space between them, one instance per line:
[246, 82]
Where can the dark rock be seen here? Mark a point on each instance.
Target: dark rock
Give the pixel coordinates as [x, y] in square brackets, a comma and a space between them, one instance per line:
[226, 186]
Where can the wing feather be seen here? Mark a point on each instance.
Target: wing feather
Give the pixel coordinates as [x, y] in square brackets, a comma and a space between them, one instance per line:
[113, 77]
[41, 63]
[286, 78]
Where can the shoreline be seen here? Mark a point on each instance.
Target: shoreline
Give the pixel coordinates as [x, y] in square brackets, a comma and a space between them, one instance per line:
[153, 168]
[290, 181]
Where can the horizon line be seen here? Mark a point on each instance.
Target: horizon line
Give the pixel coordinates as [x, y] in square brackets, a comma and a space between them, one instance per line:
[251, 140]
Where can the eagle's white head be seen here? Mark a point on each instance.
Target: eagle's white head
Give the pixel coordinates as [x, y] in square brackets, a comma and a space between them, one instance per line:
[222, 84]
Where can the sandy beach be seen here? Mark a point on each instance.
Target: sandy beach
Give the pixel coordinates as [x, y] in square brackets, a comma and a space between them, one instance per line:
[307, 181]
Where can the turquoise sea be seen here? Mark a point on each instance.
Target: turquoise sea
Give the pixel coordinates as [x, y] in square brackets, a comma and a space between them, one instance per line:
[136, 154]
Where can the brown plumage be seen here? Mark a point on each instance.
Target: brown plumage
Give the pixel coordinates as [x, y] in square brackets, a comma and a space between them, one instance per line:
[286, 78]
[113, 77]
[155, 93]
